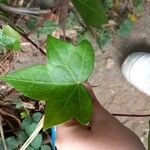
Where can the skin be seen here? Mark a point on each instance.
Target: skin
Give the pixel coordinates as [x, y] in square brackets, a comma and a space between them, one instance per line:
[105, 132]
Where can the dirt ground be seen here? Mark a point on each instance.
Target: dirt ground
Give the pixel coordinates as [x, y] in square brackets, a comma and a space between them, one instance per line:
[112, 90]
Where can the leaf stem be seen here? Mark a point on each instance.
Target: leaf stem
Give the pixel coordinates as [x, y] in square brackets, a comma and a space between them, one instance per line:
[45, 17]
[131, 115]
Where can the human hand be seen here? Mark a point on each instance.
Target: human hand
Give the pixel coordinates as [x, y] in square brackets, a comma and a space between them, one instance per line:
[104, 132]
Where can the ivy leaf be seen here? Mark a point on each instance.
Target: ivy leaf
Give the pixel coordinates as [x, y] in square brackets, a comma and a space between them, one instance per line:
[9, 31]
[30, 148]
[125, 28]
[26, 123]
[104, 38]
[1, 144]
[9, 38]
[47, 28]
[36, 117]
[37, 142]
[30, 129]
[107, 4]
[12, 143]
[59, 82]
[91, 11]
[139, 6]
[21, 137]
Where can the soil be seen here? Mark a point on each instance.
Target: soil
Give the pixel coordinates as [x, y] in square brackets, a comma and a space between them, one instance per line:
[112, 90]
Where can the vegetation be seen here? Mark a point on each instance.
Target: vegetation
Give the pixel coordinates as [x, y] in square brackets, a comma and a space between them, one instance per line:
[59, 82]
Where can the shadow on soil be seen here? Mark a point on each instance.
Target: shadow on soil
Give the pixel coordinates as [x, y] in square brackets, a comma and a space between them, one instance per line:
[129, 46]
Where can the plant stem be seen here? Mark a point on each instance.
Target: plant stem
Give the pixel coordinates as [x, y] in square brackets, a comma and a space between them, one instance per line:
[23, 34]
[45, 18]
[23, 10]
[131, 115]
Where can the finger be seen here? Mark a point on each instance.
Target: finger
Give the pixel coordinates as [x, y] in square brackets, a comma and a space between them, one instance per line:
[96, 105]
[70, 128]
[100, 115]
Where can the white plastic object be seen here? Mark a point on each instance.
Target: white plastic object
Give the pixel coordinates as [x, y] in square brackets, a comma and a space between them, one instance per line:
[136, 69]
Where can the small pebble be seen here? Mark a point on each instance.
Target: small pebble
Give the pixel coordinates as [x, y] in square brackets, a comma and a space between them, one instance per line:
[3, 87]
[110, 63]
[112, 92]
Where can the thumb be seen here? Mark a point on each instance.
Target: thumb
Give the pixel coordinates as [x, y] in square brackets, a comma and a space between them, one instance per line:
[99, 113]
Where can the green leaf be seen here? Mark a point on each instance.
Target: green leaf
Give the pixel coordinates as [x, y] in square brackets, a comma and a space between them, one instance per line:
[21, 137]
[1, 144]
[12, 143]
[82, 36]
[37, 117]
[47, 28]
[37, 142]
[136, 3]
[7, 42]
[104, 37]
[29, 148]
[9, 38]
[32, 22]
[26, 122]
[23, 114]
[45, 147]
[30, 129]
[9, 31]
[125, 28]
[107, 4]
[71, 20]
[91, 11]
[3, 1]
[139, 6]
[59, 82]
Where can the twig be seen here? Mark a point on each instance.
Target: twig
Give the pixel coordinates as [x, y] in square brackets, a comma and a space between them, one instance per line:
[35, 45]
[7, 113]
[23, 34]
[127, 4]
[23, 10]
[2, 134]
[131, 115]
[45, 18]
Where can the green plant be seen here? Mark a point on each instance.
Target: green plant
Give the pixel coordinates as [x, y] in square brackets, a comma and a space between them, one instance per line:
[104, 38]
[138, 5]
[125, 28]
[92, 12]
[27, 128]
[9, 38]
[59, 82]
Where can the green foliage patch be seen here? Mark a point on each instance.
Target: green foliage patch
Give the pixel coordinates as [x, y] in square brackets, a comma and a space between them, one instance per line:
[27, 128]
[125, 28]
[9, 38]
[92, 12]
